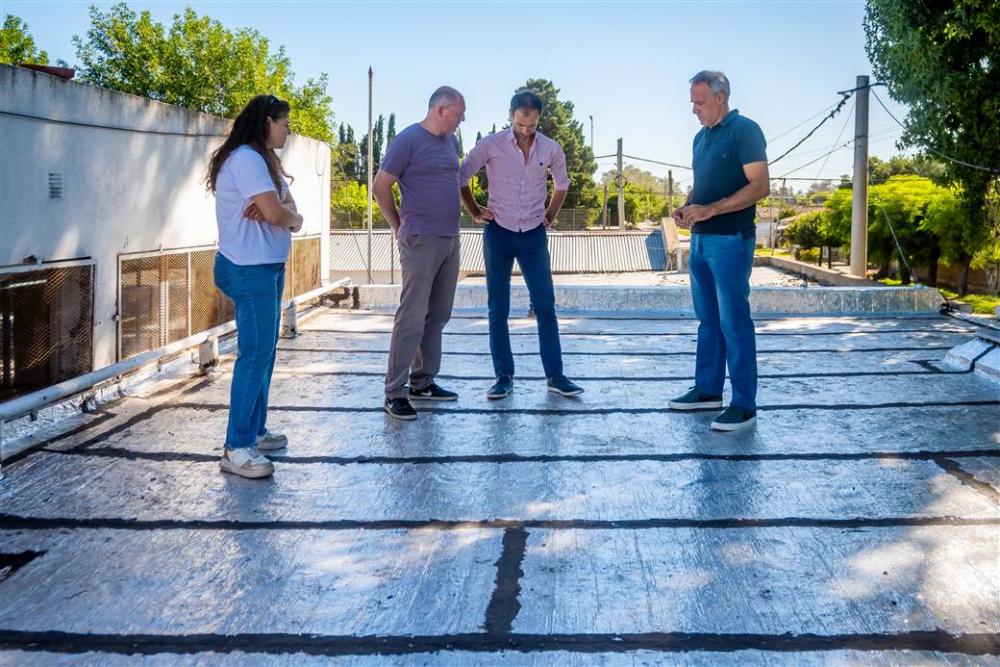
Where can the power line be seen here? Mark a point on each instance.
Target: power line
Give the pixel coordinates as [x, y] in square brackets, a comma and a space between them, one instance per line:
[836, 141]
[992, 170]
[902, 255]
[846, 96]
[847, 179]
[877, 134]
[828, 153]
[814, 161]
[792, 129]
[665, 164]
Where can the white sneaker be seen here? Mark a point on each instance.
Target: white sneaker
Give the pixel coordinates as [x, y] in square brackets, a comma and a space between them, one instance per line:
[246, 462]
[271, 441]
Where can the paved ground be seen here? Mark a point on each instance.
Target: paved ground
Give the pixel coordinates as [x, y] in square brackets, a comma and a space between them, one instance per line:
[859, 523]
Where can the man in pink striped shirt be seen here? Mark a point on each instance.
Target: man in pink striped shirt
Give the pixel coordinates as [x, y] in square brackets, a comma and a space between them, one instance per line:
[518, 161]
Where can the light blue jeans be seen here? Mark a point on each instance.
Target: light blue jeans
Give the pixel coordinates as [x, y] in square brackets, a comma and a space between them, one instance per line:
[720, 266]
[256, 292]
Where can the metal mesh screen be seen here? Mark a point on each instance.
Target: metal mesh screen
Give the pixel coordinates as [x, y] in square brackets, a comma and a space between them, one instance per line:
[209, 306]
[175, 306]
[170, 296]
[46, 327]
[140, 308]
[305, 266]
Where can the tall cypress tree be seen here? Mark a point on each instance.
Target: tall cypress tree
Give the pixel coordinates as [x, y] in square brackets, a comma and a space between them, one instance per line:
[557, 123]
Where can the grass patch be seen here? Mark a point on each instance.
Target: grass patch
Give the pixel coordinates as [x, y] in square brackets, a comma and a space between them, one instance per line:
[778, 252]
[982, 304]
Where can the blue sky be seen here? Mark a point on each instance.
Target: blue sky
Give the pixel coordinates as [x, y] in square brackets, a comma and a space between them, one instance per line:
[627, 64]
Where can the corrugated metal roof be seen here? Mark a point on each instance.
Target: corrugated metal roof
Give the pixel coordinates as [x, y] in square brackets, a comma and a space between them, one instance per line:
[571, 252]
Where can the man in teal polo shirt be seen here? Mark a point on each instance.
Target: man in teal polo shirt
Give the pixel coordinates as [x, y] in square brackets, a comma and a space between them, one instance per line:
[730, 177]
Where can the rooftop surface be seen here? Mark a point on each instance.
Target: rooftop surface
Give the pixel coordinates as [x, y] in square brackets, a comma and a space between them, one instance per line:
[859, 522]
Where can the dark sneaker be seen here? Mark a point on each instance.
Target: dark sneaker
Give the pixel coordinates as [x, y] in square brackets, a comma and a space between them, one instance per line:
[502, 389]
[400, 408]
[734, 418]
[433, 393]
[560, 384]
[695, 400]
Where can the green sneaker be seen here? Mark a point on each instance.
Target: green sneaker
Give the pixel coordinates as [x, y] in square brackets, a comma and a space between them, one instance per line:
[695, 400]
[733, 419]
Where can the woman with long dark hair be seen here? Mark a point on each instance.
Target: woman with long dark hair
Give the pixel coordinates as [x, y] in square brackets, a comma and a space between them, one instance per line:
[256, 216]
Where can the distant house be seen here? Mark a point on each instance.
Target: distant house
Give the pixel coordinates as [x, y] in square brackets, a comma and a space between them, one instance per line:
[770, 230]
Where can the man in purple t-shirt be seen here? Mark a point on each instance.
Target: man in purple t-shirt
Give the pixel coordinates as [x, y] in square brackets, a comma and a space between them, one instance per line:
[423, 159]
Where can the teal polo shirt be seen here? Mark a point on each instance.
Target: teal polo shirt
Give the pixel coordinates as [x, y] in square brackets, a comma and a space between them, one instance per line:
[719, 155]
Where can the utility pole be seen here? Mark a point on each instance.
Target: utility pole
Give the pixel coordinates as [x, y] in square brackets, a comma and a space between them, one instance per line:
[621, 189]
[604, 214]
[859, 203]
[371, 75]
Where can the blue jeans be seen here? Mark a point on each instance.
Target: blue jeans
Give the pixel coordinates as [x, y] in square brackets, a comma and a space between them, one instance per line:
[720, 268]
[531, 250]
[256, 292]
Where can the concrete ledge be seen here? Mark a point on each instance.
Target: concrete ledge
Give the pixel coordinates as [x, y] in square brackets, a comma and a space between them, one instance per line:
[763, 300]
[982, 354]
[815, 272]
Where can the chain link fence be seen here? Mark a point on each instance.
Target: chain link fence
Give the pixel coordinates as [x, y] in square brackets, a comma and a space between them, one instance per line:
[46, 326]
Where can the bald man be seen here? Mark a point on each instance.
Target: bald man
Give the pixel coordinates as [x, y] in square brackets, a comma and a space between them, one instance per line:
[423, 159]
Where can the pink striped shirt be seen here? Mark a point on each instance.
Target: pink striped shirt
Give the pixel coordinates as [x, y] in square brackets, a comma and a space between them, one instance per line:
[517, 188]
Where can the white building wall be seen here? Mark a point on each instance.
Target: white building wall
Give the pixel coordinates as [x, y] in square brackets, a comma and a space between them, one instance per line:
[132, 172]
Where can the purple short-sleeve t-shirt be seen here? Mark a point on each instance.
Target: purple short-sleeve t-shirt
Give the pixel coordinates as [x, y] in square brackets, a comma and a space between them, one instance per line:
[427, 168]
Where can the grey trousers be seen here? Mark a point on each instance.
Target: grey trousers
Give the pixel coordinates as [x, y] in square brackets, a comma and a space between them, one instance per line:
[429, 265]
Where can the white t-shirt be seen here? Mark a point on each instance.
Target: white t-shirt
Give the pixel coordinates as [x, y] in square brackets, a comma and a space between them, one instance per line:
[242, 240]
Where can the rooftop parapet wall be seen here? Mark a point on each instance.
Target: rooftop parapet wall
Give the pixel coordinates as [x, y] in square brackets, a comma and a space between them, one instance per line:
[763, 300]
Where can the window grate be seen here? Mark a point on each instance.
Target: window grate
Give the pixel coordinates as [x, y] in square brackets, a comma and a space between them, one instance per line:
[55, 185]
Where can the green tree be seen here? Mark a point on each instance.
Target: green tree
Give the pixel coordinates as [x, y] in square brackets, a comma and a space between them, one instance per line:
[17, 47]
[198, 64]
[879, 171]
[349, 205]
[558, 123]
[896, 211]
[378, 131]
[634, 176]
[479, 193]
[804, 231]
[631, 208]
[390, 134]
[645, 191]
[481, 180]
[786, 212]
[941, 59]
[906, 212]
[347, 154]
